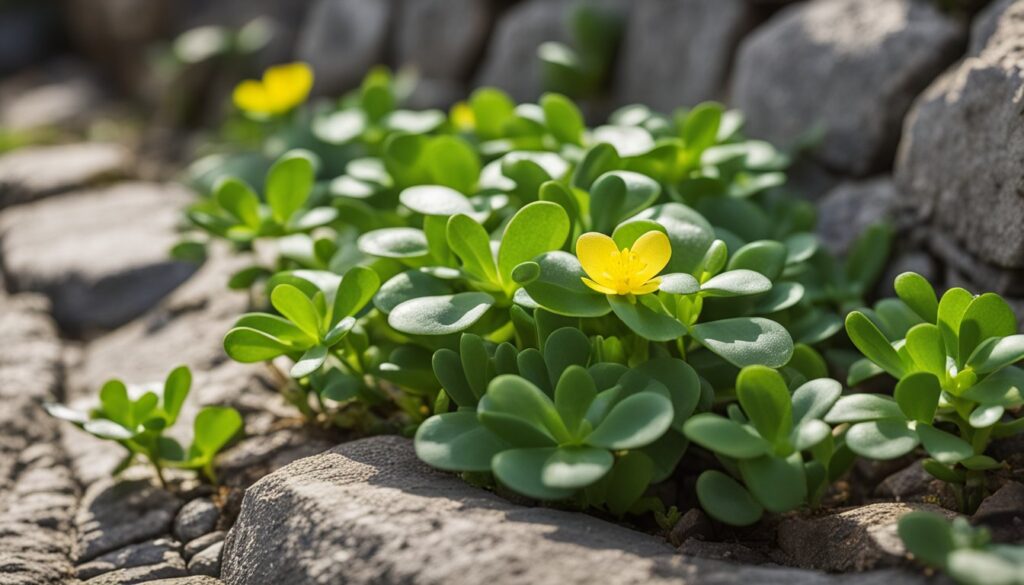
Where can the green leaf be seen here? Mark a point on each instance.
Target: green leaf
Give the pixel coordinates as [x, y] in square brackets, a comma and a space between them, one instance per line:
[778, 484]
[735, 283]
[868, 255]
[214, 427]
[536, 228]
[679, 284]
[951, 310]
[882, 439]
[986, 415]
[309, 362]
[107, 429]
[575, 467]
[996, 353]
[617, 195]
[700, 129]
[653, 325]
[557, 286]
[628, 481]
[406, 286]
[456, 441]
[518, 397]
[574, 394]
[492, 109]
[356, 289]
[987, 316]
[440, 315]
[928, 536]
[925, 346]
[398, 242]
[918, 396]
[725, 436]
[600, 159]
[809, 434]
[116, 404]
[453, 163]
[563, 118]
[682, 382]
[238, 199]
[289, 184]
[765, 399]
[297, 308]
[340, 127]
[914, 290]
[765, 256]
[725, 500]
[870, 341]
[746, 341]
[944, 447]
[689, 233]
[470, 242]
[176, 389]
[475, 362]
[522, 470]
[814, 399]
[782, 296]
[64, 413]
[1004, 387]
[248, 345]
[635, 421]
[435, 200]
[862, 407]
[565, 347]
[447, 366]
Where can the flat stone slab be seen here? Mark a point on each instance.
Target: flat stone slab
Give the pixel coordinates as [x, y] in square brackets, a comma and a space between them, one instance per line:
[34, 172]
[370, 512]
[102, 256]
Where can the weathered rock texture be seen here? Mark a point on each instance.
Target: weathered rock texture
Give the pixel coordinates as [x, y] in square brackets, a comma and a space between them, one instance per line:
[101, 256]
[963, 143]
[443, 39]
[342, 39]
[847, 68]
[37, 491]
[35, 172]
[370, 512]
[679, 52]
[850, 208]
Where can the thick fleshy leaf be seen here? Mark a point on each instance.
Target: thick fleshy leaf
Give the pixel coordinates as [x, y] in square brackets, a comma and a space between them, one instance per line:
[952, 306]
[408, 285]
[238, 199]
[574, 394]
[456, 441]
[682, 382]
[616, 195]
[873, 344]
[399, 242]
[440, 315]
[247, 345]
[882, 439]
[809, 433]
[471, 244]
[725, 500]
[107, 429]
[986, 415]
[815, 398]
[653, 325]
[557, 286]
[176, 389]
[927, 536]
[688, 232]
[778, 484]
[746, 341]
[734, 283]
[563, 118]
[309, 362]
[356, 289]
[289, 183]
[914, 290]
[987, 316]
[628, 481]
[516, 396]
[725, 436]
[453, 163]
[679, 284]
[1005, 387]
[862, 407]
[564, 348]
[213, 428]
[925, 345]
[538, 227]
[767, 257]
[297, 308]
[636, 421]
[522, 471]
[996, 353]
[765, 399]
[782, 296]
[575, 467]
[944, 447]
[918, 396]
[435, 200]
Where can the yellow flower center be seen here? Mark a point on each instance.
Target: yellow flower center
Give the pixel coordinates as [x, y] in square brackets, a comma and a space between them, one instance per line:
[282, 88]
[630, 271]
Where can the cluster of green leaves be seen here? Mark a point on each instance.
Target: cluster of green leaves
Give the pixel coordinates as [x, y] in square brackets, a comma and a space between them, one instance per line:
[136, 417]
[774, 441]
[953, 359]
[581, 70]
[420, 263]
[961, 550]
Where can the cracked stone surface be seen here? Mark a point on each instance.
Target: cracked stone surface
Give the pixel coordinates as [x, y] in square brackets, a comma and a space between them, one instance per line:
[35, 172]
[114, 514]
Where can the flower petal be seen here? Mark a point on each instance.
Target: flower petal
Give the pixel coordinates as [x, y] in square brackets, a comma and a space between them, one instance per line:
[654, 250]
[251, 96]
[597, 253]
[288, 85]
[599, 287]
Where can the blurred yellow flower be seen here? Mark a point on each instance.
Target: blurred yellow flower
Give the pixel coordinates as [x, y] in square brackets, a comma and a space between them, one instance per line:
[627, 271]
[462, 117]
[282, 88]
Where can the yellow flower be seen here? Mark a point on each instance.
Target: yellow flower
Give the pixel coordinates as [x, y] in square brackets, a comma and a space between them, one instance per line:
[627, 271]
[283, 87]
[462, 117]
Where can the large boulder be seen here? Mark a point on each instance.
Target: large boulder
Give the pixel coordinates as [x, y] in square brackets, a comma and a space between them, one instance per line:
[986, 23]
[847, 69]
[342, 39]
[678, 52]
[853, 206]
[102, 256]
[960, 157]
[370, 512]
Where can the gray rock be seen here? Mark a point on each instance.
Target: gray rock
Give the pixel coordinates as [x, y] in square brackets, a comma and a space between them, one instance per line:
[106, 252]
[442, 39]
[34, 172]
[973, 273]
[114, 514]
[143, 574]
[962, 146]
[64, 93]
[694, 524]
[152, 552]
[723, 551]
[847, 68]
[207, 561]
[985, 25]
[196, 518]
[678, 52]
[370, 512]
[852, 207]
[910, 261]
[856, 539]
[202, 543]
[914, 484]
[255, 456]
[38, 494]
[1003, 513]
[193, 580]
[342, 39]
